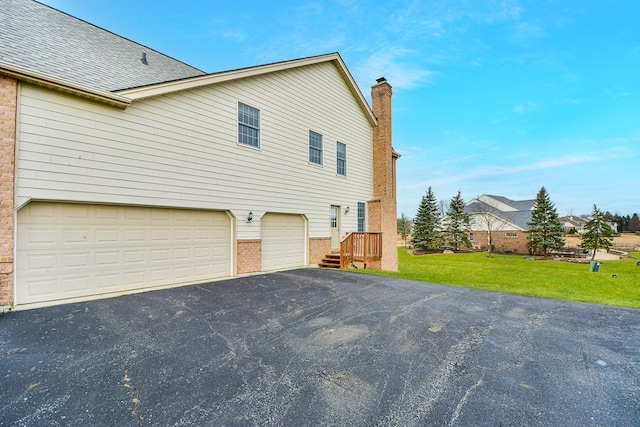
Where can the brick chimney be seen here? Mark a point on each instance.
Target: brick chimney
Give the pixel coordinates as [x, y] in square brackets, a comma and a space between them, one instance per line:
[383, 208]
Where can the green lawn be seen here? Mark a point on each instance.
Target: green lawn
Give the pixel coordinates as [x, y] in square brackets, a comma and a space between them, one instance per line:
[515, 274]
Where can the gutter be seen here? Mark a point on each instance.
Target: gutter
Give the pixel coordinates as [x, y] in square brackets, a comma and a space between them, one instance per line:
[68, 87]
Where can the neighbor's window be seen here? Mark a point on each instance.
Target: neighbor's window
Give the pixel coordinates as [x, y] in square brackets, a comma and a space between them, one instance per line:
[511, 234]
[248, 125]
[471, 237]
[315, 147]
[361, 217]
[341, 156]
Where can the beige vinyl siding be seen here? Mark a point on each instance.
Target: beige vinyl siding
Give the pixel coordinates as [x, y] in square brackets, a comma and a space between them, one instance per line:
[181, 149]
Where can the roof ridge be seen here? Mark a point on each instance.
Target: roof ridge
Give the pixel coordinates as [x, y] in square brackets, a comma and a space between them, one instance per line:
[232, 70]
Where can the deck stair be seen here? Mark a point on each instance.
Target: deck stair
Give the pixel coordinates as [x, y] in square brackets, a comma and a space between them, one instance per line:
[331, 260]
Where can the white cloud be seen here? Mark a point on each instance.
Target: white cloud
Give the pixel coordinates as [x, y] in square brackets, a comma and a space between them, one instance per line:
[492, 171]
[234, 34]
[524, 31]
[396, 66]
[527, 107]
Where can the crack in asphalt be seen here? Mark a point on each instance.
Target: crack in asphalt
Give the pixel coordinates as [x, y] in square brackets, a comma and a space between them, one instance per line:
[136, 392]
[414, 407]
[330, 379]
[463, 401]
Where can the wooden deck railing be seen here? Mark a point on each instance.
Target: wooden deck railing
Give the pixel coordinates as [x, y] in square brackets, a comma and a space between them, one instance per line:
[361, 247]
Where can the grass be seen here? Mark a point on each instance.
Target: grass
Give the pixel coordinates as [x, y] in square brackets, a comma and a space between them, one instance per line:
[518, 275]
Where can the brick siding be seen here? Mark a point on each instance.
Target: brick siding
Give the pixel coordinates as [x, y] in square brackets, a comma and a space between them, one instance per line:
[318, 248]
[8, 103]
[502, 243]
[249, 256]
[382, 208]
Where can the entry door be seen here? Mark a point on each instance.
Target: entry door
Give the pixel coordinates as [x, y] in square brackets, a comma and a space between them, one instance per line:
[335, 228]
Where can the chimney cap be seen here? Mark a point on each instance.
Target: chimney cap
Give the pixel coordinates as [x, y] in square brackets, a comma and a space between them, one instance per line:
[381, 79]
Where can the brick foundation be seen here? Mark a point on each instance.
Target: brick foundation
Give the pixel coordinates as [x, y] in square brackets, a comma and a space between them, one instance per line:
[318, 248]
[502, 243]
[8, 103]
[249, 256]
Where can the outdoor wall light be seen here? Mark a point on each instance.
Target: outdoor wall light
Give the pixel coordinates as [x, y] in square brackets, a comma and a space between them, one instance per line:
[346, 210]
[250, 217]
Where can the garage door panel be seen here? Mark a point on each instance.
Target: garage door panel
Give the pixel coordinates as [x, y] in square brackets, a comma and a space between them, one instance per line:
[160, 275]
[107, 214]
[107, 236]
[107, 259]
[76, 285]
[43, 288]
[66, 251]
[283, 241]
[75, 261]
[107, 282]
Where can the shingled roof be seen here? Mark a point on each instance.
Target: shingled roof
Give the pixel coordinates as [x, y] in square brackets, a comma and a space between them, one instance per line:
[40, 38]
[516, 212]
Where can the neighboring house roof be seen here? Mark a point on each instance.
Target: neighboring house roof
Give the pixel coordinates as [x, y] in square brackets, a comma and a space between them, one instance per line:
[46, 47]
[516, 212]
[43, 39]
[573, 221]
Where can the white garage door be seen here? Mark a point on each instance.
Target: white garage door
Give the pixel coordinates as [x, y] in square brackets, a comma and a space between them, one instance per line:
[283, 241]
[75, 250]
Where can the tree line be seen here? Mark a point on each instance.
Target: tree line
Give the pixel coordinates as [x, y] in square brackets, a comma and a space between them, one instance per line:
[626, 223]
[433, 229]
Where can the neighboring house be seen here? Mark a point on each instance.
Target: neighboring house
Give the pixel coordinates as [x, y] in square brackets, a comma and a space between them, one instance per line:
[579, 222]
[124, 169]
[573, 222]
[501, 220]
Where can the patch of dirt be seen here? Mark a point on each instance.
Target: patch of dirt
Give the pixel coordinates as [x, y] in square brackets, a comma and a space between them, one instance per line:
[624, 242]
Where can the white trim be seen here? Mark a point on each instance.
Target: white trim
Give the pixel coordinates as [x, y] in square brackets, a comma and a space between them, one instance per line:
[224, 76]
[15, 190]
[62, 85]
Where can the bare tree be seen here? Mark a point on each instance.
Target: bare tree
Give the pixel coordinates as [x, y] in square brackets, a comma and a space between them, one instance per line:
[443, 207]
[489, 219]
[404, 227]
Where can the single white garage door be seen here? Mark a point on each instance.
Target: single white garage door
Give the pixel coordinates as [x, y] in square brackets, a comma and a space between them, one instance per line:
[283, 241]
[76, 250]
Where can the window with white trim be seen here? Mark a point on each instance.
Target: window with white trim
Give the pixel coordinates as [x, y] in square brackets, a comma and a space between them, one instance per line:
[315, 148]
[248, 125]
[361, 217]
[341, 158]
[511, 234]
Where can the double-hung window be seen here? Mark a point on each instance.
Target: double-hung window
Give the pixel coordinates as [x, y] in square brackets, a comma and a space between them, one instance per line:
[361, 217]
[248, 125]
[341, 158]
[315, 148]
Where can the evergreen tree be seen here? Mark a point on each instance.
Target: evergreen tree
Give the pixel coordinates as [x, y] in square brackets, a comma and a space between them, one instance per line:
[634, 223]
[458, 223]
[426, 225]
[598, 233]
[545, 229]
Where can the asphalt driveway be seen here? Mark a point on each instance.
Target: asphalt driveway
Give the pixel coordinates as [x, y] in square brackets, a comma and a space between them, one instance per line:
[320, 347]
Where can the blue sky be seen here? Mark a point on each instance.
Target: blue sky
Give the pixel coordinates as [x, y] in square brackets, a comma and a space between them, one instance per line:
[496, 97]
